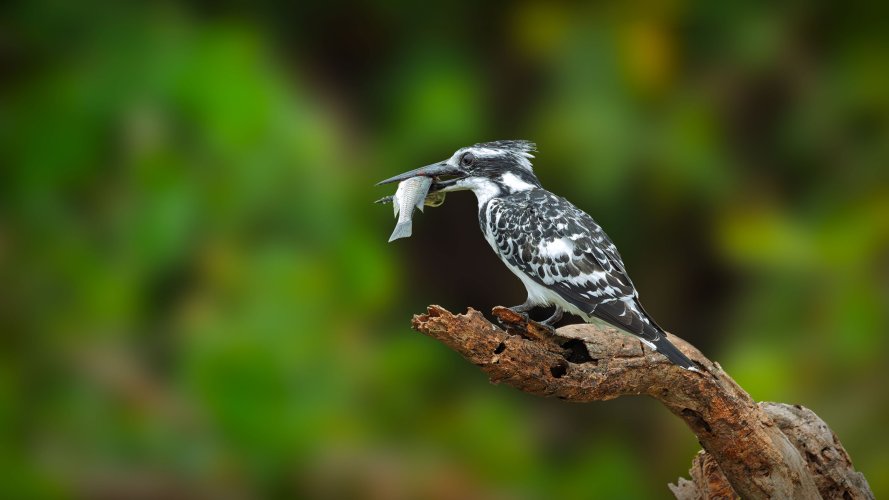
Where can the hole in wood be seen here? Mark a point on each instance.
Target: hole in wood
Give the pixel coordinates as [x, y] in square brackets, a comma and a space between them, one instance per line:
[558, 370]
[696, 420]
[577, 351]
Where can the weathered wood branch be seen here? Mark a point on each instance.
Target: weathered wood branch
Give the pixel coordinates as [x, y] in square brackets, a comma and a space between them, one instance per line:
[753, 450]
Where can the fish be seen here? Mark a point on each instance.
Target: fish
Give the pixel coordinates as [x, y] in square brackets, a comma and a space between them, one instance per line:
[411, 193]
[432, 200]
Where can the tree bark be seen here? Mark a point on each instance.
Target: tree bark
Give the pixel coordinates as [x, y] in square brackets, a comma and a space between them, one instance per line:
[751, 450]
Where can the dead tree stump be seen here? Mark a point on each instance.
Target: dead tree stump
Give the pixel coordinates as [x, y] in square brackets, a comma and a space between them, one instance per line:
[764, 450]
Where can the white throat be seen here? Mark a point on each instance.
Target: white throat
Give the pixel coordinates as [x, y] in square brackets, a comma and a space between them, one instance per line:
[484, 189]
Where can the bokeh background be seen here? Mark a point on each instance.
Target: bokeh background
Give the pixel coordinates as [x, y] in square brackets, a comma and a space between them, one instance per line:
[198, 299]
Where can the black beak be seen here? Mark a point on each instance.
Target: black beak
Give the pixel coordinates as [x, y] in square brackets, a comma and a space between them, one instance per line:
[434, 170]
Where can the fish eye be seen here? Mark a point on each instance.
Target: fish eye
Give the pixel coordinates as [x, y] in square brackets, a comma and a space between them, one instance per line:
[467, 159]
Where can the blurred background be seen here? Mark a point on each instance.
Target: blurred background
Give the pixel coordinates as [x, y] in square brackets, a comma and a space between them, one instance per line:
[198, 298]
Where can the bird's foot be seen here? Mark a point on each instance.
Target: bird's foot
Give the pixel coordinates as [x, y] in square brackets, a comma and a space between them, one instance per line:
[552, 320]
[519, 323]
[522, 310]
[525, 317]
[510, 316]
[545, 330]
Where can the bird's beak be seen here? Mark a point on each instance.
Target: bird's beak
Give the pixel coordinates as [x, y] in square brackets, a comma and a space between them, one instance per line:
[435, 170]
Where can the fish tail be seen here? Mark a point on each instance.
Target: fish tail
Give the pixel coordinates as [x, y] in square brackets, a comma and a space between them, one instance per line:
[402, 230]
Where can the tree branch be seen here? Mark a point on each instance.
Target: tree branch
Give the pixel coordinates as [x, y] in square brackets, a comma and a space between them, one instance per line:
[750, 449]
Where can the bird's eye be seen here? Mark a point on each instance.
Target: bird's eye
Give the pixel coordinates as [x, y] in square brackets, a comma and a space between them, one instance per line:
[467, 160]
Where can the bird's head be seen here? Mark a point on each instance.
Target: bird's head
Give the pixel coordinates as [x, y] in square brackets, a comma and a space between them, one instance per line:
[489, 169]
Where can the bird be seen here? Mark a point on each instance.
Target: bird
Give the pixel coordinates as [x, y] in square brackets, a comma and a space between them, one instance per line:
[558, 251]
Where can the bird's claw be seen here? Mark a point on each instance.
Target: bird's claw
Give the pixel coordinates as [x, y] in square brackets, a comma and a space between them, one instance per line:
[543, 325]
[552, 320]
[522, 310]
[519, 322]
[525, 317]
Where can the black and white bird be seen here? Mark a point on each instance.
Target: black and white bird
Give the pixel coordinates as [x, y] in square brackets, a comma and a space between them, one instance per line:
[557, 250]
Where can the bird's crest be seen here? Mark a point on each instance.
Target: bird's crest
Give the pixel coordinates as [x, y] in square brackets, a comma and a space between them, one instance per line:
[522, 151]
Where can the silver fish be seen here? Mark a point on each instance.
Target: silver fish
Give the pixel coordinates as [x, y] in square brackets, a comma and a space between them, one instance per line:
[411, 193]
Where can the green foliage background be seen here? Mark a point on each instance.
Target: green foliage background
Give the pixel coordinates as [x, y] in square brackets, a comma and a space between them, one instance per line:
[198, 298]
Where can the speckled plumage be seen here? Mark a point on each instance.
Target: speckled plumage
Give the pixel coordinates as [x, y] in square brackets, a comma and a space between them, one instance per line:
[558, 251]
[562, 249]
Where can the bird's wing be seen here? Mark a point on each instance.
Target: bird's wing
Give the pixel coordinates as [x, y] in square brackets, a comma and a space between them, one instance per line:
[562, 248]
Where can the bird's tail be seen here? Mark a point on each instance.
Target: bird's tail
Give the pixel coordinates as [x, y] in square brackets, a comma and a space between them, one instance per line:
[402, 230]
[657, 340]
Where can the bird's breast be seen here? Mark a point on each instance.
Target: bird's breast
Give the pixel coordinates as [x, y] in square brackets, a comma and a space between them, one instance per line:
[501, 225]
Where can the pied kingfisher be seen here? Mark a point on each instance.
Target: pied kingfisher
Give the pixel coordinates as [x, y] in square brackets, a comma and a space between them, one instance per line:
[560, 254]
